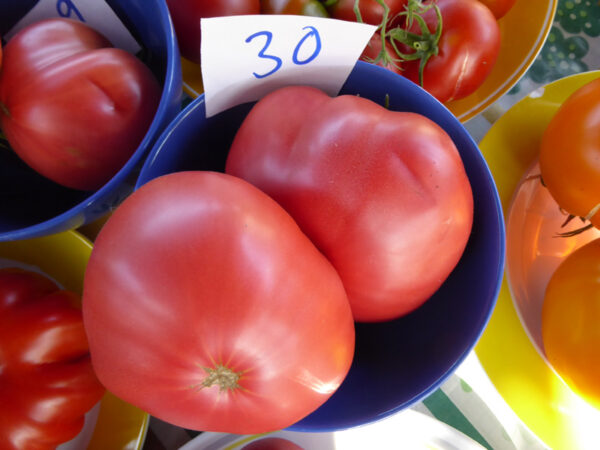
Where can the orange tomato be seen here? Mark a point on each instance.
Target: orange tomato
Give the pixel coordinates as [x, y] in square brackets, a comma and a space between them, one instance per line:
[570, 153]
[571, 321]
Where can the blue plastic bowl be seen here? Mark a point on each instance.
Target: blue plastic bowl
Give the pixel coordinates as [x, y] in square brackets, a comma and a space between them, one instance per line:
[33, 206]
[400, 362]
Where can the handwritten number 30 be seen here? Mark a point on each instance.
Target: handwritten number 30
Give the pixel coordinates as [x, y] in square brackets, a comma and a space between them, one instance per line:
[312, 32]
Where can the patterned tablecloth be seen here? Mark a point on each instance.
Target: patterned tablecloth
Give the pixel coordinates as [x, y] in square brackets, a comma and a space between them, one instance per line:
[572, 46]
[468, 401]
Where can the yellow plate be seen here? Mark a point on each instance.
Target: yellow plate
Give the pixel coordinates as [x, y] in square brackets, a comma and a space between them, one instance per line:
[523, 32]
[518, 371]
[64, 257]
[192, 78]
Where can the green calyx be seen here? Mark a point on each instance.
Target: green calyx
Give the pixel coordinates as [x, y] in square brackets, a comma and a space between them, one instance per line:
[222, 376]
[424, 44]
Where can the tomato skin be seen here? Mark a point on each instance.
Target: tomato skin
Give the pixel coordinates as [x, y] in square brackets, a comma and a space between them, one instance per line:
[186, 15]
[370, 11]
[222, 275]
[569, 151]
[382, 194]
[499, 7]
[468, 49]
[297, 7]
[73, 109]
[47, 383]
[571, 321]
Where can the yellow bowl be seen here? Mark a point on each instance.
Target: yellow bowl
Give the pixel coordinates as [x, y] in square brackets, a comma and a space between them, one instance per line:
[523, 32]
[63, 257]
[511, 360]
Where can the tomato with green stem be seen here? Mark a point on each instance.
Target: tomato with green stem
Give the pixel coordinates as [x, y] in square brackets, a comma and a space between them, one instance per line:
[373, 53]
[448, 47]
[47, 383]
[570, 151]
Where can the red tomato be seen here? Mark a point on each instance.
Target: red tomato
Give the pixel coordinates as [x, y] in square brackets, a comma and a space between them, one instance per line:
[298, 7]
[186, 15]
[46, 379]
[372, 54]
[571, 321]
[466, 52]
[371, 11]
[240, 324]
[383, 194]
[499, 7]
[569, 154]
[71, 108]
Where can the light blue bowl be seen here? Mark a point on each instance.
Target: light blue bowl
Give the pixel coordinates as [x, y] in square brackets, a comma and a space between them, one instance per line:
[400, 362]
[33, 206]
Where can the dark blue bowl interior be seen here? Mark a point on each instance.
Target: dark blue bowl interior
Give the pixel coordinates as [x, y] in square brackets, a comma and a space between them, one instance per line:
[400, 362]
[34, 206]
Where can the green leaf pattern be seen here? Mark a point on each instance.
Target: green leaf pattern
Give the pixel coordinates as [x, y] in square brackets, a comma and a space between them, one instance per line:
[579, 16]
[567, 48]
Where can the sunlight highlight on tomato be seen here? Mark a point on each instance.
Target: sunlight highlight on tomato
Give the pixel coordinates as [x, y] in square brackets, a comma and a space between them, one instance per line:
[571, 321]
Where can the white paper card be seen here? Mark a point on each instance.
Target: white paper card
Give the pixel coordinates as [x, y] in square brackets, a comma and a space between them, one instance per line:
[243, 58]
[95, 13]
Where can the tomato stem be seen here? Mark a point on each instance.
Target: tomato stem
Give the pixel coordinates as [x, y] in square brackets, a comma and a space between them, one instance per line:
[579, 230]
[383, 56]
[592, 212]
[575, 232]
[425, 44]
[359, 18]
[222, 376]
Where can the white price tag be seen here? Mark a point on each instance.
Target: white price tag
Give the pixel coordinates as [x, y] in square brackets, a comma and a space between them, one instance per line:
[95, 13]
[243, 58]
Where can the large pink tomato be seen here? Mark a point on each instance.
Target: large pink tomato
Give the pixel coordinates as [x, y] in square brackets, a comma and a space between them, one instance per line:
[383, 194]
[71, 106]
[206, 306]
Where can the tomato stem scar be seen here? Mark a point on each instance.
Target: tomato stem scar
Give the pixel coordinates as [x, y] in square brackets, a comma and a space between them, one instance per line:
[224, 377]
